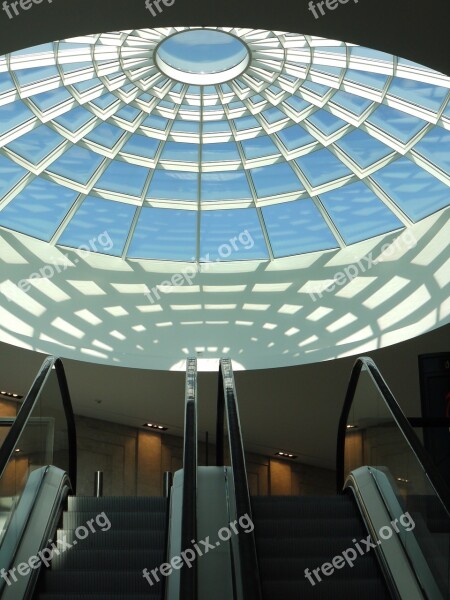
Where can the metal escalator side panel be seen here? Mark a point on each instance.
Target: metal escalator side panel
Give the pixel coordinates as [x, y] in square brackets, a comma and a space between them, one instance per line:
[407, 575]
[33, 524]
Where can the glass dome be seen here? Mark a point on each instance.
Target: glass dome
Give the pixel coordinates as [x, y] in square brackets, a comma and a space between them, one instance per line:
[306, 144]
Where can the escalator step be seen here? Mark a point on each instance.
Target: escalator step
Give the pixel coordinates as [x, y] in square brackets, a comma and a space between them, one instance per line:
[117, 538]
[288, 507]
[83, 559]
[116, 504]
[119, 520]
[61, 596]
[326, 527]
[331, 589]
[303, 547]
[293, 569]
[98, 582]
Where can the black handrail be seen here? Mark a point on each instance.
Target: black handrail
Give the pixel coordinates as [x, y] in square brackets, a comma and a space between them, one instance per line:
[188, 577]
[227, 402]
[435, 478]
[20, 422]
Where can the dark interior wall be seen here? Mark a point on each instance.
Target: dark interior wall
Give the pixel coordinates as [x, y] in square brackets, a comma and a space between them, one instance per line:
[413, 29]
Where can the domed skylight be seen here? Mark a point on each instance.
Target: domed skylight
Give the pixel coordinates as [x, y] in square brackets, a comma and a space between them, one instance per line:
[306, 143]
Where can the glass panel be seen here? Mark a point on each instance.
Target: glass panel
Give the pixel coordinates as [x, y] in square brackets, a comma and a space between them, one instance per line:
[326, 122]
[77, 164]
[105, 100]
[413, 189]
[434, 147]
[216, 127]
[37, 144]
[363, 149]
[10, 174]
[6, 83]
[218, 152]
[35, 74]
[322, 167]
[155, 122]
[419, 93]
[105, 134]
[243, 123]
[231, 235]
[173, 185]
[258, 147]
[165, 234]
[225, 185]
[374, 439]
[376, 81]
[358, 213]
[351, 102]
[38, 209]
[295, 137]
[123, 178]
[395, 123]
[180, 151]
[95, 219]
[74, 119]
[202, 51]
[275, 179]
[297, 227]
[141, 145]
[44, 441]
[273, 115]
[14, 114]
[128, 113]
[51, 99]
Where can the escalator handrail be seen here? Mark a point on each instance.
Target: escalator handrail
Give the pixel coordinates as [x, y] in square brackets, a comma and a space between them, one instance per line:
[20, 422]
[421, 454]
[188, 577]
[227, 403]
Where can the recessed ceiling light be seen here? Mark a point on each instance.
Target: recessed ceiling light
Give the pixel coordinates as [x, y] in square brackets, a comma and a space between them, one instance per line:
[155, 426]
[286, 455]
[352, 426]
[402, 480]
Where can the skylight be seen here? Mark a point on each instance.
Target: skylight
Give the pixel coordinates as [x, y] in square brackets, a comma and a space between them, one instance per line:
[176, 140]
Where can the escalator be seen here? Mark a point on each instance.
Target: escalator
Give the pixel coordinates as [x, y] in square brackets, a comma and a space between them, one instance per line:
[356, 543]
[297, 535]
[125, 536]
[53, 543]
[386, 534]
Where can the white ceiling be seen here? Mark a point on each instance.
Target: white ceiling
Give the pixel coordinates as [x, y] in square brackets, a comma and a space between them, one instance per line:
[261, 314]
[293, 408]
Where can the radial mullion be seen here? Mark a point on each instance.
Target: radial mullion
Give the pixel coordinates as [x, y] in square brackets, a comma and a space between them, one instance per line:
[262, 223]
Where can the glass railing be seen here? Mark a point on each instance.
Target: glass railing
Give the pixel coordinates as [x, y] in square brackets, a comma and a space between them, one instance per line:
[42, 434]
[374, 432]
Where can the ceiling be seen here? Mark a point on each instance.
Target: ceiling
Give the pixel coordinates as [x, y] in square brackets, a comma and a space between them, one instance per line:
[413, 277]
[293, 409]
